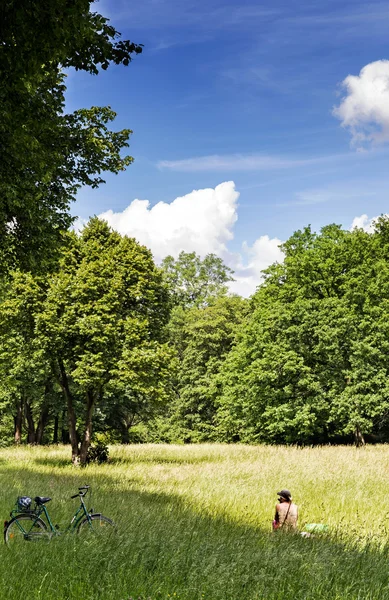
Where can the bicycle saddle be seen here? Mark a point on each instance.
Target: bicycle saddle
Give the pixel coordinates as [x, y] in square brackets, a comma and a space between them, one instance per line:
[41, 500]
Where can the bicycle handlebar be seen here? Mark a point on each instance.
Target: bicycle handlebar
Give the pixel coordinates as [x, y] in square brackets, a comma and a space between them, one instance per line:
[81, 493]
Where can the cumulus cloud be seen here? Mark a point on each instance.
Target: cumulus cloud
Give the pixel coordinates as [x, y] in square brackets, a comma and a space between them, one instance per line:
[365, 223]
[365, 108]
[202, 221]
[249, 264]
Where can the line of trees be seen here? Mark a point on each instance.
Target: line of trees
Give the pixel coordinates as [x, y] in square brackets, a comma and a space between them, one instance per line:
[305, 360]
[311, 363]
[110, 343]
[88, 336]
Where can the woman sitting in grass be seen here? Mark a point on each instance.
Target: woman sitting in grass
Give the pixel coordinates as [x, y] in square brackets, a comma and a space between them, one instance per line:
[286, 512]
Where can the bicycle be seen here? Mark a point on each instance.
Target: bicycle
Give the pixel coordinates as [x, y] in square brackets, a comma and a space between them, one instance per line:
[27, 524]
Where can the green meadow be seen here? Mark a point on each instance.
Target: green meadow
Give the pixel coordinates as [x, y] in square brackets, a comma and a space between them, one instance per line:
[194, 523]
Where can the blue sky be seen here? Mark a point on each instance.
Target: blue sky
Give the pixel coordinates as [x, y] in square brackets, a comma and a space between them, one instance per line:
[246, 93]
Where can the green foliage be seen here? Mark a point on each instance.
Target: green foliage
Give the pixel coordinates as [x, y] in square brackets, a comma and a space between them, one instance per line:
[311, 362]
[89, 336]
[207, 337]
[110, 343]
[45, 154]
[195, 282]
[103, 319]
[98, 452]
[201, 329]
[25, 372]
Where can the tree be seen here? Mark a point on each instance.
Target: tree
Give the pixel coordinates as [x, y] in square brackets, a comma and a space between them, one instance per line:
[195, 282]
[26, 380]
[103, 322]
[363, 405]
[140, 389]
[45, 154]
[197, 287]
[311, 361]
[208, 335]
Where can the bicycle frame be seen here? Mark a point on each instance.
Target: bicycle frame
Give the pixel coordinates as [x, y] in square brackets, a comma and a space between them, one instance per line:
[75, 521]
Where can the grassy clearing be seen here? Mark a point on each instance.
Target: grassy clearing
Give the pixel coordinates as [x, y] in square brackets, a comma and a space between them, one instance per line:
[194, 524]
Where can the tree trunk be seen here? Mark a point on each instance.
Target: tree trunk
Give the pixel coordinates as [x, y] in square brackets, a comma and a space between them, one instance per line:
[125, 434]
[43, 418]
[358, 436]
[71, 414]
[45, 412]
[65, 438]
[30, 424]
[19, 422]
[88, 428]
[126, 424]
[55, 432]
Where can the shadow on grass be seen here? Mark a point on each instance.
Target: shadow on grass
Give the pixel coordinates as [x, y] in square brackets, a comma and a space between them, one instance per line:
[157, 459]
[49, 461]
[164, 547]
[133, 457]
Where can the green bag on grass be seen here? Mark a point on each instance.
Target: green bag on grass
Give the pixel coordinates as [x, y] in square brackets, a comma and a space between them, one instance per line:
[316, 528]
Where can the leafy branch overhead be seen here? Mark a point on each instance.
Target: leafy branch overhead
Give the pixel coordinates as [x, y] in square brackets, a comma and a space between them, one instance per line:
[46, 154]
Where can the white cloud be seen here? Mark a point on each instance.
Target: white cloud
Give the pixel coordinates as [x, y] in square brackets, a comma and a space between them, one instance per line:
[243, 162]
[307, 198]
[264, 252]
[363, 222]
[365, 108]
[201, 221]
[79, 224]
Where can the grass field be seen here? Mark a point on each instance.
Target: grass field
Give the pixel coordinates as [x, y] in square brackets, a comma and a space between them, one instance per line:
[194, 523]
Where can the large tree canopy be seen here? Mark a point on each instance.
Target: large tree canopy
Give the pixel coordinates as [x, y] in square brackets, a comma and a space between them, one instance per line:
[45, 154]
[312, 361]
[103, 321]
[94, 330]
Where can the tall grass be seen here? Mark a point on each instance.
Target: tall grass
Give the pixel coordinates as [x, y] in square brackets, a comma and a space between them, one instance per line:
[194, 523]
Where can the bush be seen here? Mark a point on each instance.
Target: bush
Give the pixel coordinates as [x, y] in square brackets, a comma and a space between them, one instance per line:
[98, 452]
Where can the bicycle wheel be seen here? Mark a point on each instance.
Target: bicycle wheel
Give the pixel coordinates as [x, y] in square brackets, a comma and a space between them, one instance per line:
[98, 525]
[24, 528]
